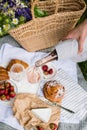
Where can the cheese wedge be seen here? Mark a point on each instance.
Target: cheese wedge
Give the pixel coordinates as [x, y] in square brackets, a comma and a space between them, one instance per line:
[43, 114]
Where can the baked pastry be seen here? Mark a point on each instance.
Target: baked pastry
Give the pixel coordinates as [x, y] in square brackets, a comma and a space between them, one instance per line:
[53, 91]
[14, 61]
[3, 74]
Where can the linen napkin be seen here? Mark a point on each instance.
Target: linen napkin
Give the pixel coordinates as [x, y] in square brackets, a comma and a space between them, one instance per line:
[8, 52]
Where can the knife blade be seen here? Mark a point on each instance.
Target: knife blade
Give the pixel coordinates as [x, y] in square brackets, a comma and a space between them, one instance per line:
[56, 104]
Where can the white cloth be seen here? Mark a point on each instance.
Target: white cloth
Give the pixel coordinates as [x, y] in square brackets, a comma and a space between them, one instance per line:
[8, 52]
[75, 98]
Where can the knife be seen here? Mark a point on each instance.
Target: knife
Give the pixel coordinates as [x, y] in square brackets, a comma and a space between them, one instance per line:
[56, 104]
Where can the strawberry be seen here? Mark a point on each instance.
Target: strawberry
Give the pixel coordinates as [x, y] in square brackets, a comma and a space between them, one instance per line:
[12, 94]
[53, 126]
[7, 84]
[6, 92]
[12, 88]
[7, 97]
[45, 72]
[3, 97]
[50, 71]
[40, 128]
[2, 91]
[2, 86]
[44, 67]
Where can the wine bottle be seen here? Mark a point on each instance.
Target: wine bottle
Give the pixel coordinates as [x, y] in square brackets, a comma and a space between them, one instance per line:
[51, 56]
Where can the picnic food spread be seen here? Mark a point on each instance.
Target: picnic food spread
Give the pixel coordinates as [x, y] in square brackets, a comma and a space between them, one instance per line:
[29, 108]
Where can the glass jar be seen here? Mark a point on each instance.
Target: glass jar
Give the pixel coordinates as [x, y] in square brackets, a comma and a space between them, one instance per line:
[16, 72]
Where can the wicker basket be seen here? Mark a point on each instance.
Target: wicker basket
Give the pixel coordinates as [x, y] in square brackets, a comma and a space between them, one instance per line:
[45, 32]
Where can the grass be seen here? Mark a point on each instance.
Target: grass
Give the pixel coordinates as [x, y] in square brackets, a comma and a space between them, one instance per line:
[83, 67]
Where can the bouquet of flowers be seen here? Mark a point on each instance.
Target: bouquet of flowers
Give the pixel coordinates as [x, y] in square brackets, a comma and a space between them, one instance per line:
[14, 13]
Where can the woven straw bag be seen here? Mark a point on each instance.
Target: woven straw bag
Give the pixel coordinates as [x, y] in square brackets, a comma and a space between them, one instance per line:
[45, 32]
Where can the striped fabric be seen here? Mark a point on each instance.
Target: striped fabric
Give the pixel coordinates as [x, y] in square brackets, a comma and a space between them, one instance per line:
[75, 98]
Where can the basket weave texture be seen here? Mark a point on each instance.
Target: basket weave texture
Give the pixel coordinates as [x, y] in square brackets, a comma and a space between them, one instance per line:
[45, 32]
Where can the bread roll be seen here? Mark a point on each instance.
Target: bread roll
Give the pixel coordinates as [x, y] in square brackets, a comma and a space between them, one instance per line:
[53, 91]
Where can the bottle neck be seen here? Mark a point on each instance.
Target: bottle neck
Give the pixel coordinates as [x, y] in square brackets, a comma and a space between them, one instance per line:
[52, 56]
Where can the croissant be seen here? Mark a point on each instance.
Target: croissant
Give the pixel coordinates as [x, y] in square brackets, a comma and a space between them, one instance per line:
[3, 74]
[13, 61]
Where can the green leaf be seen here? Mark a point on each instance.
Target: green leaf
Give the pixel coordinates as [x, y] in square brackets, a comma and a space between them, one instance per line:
[1, 19]
[21, 19]
[39, 13]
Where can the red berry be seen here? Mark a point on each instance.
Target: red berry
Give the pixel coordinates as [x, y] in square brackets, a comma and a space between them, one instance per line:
[40, 128]
[12, 88]
[2, 86]
[6, 92]
[53, 126]
[8, 97]
[45, 72]
[44, 67]
[50, 71]
[12, 94]
[2, 92]
[3, 97]
[7, 84]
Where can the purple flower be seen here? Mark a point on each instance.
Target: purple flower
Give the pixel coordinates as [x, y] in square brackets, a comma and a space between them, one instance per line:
[11, 3]
[3, 1]
[23, 12]
[11, 11]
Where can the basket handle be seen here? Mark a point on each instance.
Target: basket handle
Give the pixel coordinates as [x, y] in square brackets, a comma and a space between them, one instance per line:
[34, 2]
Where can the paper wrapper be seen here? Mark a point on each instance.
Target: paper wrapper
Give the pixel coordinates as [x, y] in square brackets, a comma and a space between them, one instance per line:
[22, 111]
